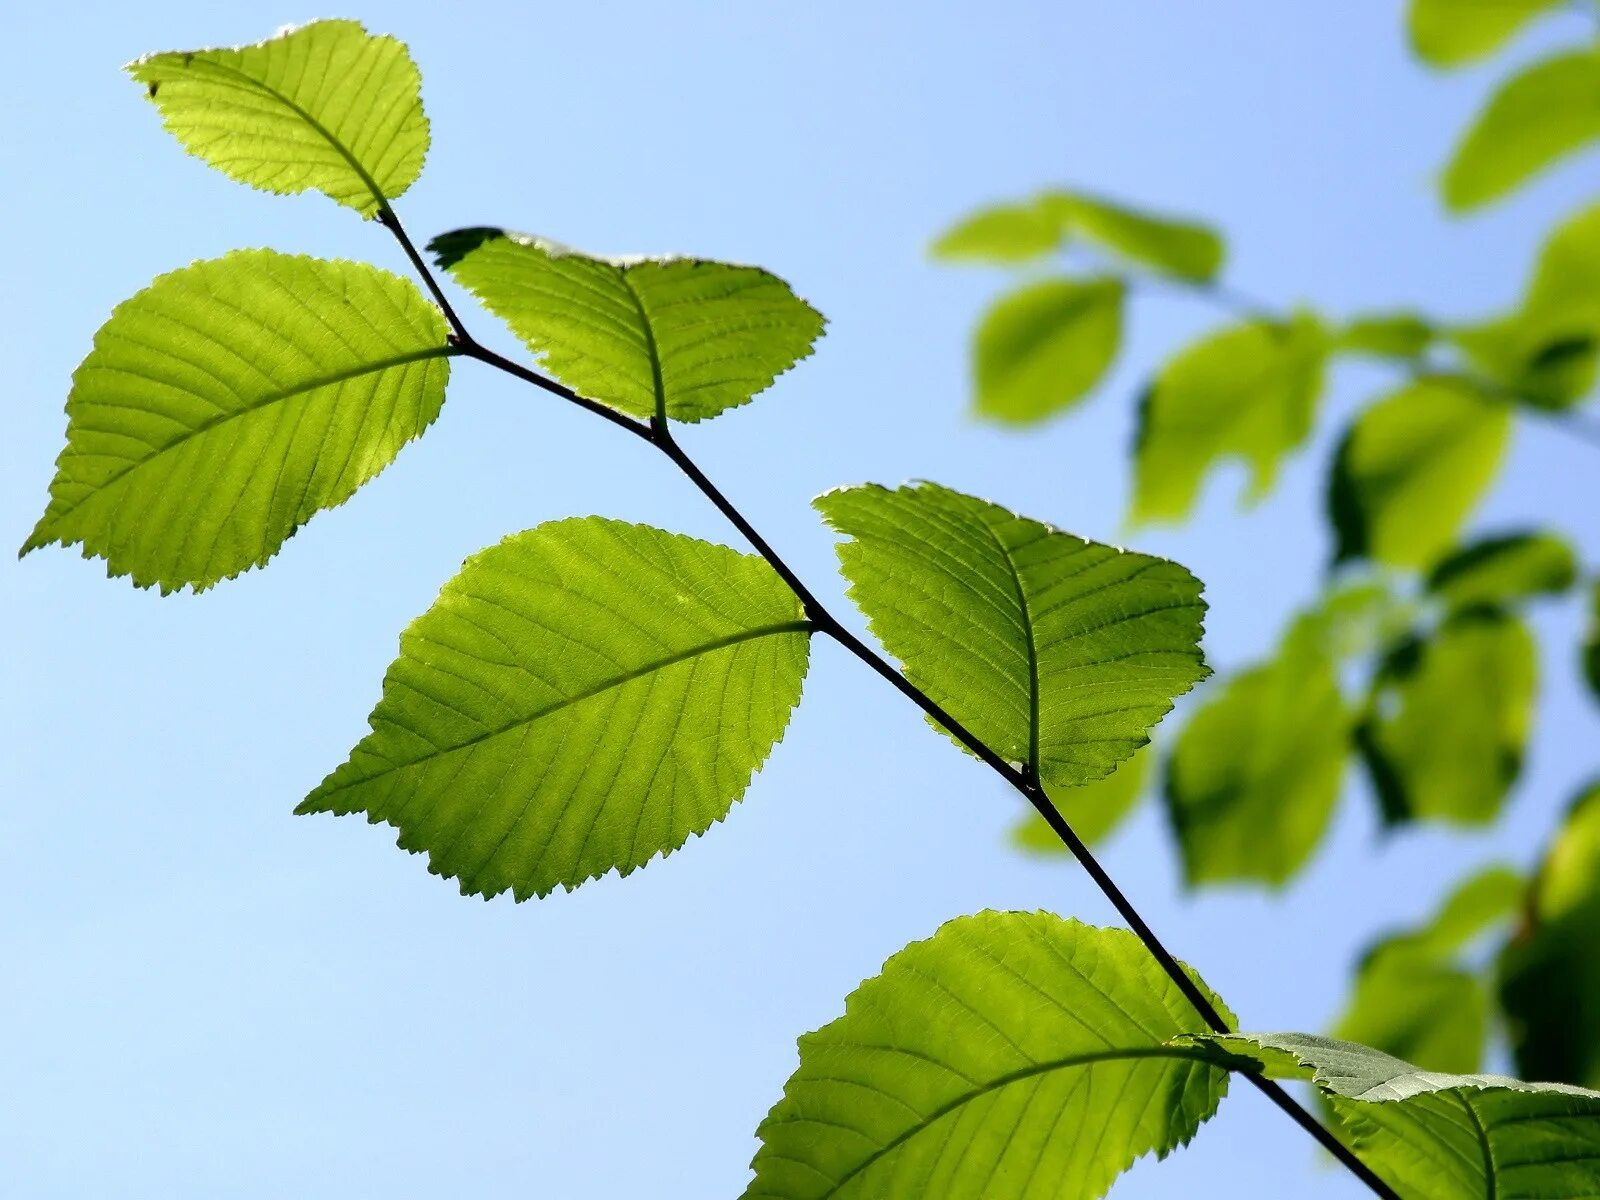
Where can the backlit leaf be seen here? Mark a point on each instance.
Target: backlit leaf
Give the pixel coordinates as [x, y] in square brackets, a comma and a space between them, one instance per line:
[1505, 569]
[1400, 335]
[230, 401]
[581, 698]
[1010, 1055]
[1058, 653]
[1171, 245]
[1044, 346]
[1093, 810]
[1448, 33]
[682, 338]
[1003, 233]
[324, 107]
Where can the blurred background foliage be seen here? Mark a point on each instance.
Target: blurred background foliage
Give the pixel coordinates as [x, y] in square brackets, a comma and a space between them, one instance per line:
[1414, 665]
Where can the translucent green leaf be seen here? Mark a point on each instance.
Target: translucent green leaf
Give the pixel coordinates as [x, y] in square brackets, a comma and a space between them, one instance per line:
[1448, 33]
[1545, 351]
[1451, 720]
[1436, 1136]
[1246, 392]
[683, 338]
[582, 697]
[1044, 346]
[324, 107]
[1541, 114]
[1058, 653]
[1173, 246]
[231, 400]
[1254, 775]
[1505, 569]
[1093, 809]
[1550, 971]
[1412, 468]
[1003, 233]
[1401, 335]
[1414, 999]
[1010, 1055]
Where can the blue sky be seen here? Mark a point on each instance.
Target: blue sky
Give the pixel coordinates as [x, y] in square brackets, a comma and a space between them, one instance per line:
[204, 995]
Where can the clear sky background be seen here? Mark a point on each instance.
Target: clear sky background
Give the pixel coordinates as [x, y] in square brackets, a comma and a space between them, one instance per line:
[202, 995]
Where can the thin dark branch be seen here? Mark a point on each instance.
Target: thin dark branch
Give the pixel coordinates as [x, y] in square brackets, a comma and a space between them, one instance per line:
[659, 434]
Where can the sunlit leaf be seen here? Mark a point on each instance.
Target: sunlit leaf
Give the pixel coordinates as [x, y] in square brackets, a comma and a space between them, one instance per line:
[1044, 346]
[324, 107]
[1505, 569]
[1247, 392]
[1174, 246]
[230, 401]
[1010, 1055]
[1538, 116]
[682, 338]
[1411, 469]
[582, 697]
[1400, 335]
[1058, 653]
[1448, 33]
[1003, 233]
[1093, 809]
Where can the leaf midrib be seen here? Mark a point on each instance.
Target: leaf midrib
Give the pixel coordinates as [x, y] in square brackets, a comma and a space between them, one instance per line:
[649, 343]
[1028, 1072]
[565, 702]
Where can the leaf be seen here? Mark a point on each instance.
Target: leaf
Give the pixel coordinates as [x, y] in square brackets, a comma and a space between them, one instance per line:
[1550, 971]
[1247, 392]
[326, 106]
[1093, 809]
[231, 400]
[1402, 335]
[683, 338]
[582, 697]
[1446, 739]
[1412, 468]
[1414, 999]
[1505, 569]
[1538, 116]
[1436, 1136]
[1545, 351]
[1044, 346]
[1171, 245]
[1009, 1055]
[1591, 643]
[1058, 653]
[1005, 234]
[1254, 775]
[1449, 33]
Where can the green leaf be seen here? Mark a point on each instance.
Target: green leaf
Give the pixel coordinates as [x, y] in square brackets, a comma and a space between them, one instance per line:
[1505, 569]
[1438, 1136]
[1445, 741]
[582, 697]
[1545, 351]
[1006, 234]
[1538, 116]
[1591, 642]
[1171, 245]
[230, 401]
[1412, 468]
[324, 107]
[1254, 775]
[1009, 1055]
[1247, 392]
[1093, 809]
[1044, 346]
[1056, 652]
[683, 338]
[1550, 971]
[1414, 999]
[1449, 33]
[1402, 335]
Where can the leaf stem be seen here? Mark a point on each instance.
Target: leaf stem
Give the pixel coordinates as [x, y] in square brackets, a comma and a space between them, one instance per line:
[659, 434]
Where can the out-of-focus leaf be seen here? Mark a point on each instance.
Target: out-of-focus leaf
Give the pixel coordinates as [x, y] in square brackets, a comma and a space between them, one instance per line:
[1171, 245]
[1044, 346]
[1446, 736]
[1386, 335]
[1247, 392]
[1254, 775]
[1591, 642]
[1093, 810]
[1006, 234]
[1545, 351]
[1505, 569]
[1411, 469]
[1541, 114]
[1448, 33]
